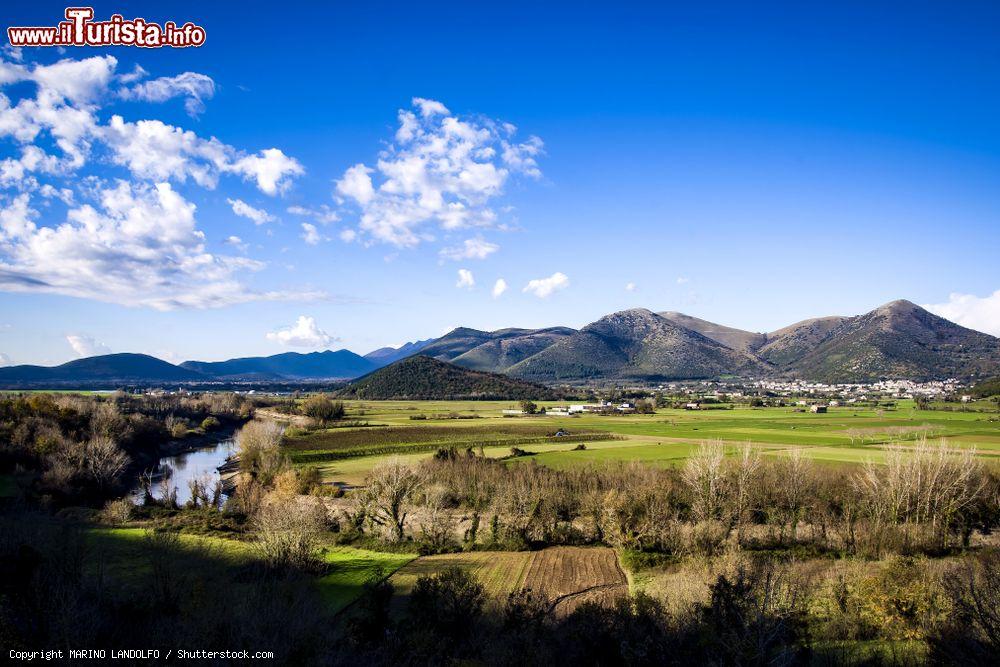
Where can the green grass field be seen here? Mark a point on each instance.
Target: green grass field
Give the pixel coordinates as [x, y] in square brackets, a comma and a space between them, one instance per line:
[350, 568]
[844, 435]
[123, 557]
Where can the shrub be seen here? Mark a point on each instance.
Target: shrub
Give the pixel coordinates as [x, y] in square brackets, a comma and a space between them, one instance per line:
[756, 615]
[258, 446]
[447, 604]
[210, 424]
[288, 532]
[321, 409]
[971, 633]
[118, 512]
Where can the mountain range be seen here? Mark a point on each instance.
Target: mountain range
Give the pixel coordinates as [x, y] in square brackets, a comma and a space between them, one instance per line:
[896, 340]
[328, 365]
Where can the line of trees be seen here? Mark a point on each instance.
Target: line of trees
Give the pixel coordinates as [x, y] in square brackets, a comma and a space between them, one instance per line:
[924, 498]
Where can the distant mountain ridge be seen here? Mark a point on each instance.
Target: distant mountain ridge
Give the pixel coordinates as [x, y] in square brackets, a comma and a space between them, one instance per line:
[896, 340]
[737, 339]
[637, 345]
[900, 340]
[493, 351]
[386, 355]
[326, 365]
[110, 368]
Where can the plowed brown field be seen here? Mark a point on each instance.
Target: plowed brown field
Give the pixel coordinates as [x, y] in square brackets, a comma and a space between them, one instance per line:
[570, 576]
[567, 576]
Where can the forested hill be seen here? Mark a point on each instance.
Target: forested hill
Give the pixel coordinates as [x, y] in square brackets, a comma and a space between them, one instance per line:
[422, 377]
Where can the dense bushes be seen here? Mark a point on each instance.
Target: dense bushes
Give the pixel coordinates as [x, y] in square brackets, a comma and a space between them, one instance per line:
[77, 448]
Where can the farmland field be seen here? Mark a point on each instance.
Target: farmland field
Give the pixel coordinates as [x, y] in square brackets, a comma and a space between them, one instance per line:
[844, 435]
[566, 576]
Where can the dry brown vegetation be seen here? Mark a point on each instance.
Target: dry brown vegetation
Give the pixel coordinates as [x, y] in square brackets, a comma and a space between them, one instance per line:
[923, 500]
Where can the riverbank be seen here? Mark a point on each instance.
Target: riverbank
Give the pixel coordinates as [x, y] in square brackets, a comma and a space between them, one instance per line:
[168, 453]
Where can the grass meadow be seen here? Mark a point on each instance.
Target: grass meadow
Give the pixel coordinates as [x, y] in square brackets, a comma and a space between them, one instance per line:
[122, 555]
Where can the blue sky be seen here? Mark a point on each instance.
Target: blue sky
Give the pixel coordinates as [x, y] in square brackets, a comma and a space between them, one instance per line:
[750, 164]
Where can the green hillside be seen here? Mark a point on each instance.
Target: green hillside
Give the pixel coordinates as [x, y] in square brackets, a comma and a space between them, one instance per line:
[424, 378]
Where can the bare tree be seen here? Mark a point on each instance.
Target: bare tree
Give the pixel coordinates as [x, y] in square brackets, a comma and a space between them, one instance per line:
[744, 486]
[99, 460]
[107, 421]
[288, 529]
[386, 497]
[796, 485]
[437, 526]
[923, 486]
[705, 479]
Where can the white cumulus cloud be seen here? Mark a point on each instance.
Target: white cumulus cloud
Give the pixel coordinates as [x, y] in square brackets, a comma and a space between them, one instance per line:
[544, 287]
[138, 246]
[133, 242]
[304, 333]
[441, 170]
[271, 169]
[85, 346]
[476, 248]
[356, 183]
[310, 234]
[630, 287]
[194, 87]
[154, 150]
[499, 287]
[245, 210]
[974, 312]
[465, 279]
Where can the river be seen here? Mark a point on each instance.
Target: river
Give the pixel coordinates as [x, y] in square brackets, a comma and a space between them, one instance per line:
[179, 469]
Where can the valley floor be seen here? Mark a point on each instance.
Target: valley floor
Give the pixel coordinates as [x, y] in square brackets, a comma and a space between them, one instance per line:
[843, 435]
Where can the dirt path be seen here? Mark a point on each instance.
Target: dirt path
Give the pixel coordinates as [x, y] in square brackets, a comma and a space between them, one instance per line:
[274, 415]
